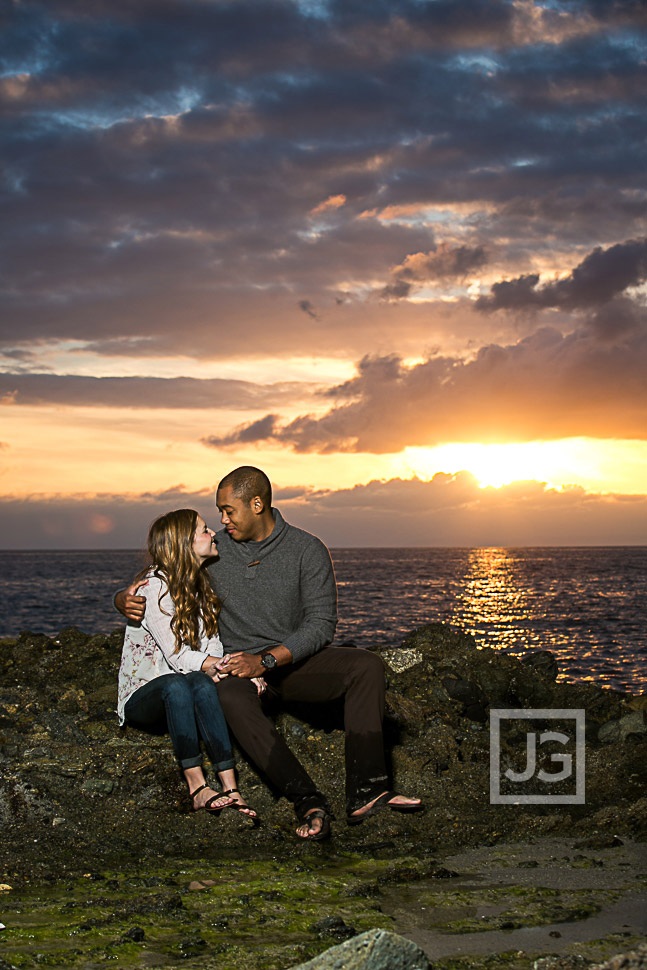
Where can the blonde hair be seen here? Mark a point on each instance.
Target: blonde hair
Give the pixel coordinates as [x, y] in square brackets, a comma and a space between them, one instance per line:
[170, 546]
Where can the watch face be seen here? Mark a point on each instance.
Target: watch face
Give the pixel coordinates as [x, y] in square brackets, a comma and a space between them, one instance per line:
[269, 661]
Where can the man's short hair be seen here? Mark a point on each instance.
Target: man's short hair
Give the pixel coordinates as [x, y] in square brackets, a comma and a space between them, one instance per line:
[247, 482]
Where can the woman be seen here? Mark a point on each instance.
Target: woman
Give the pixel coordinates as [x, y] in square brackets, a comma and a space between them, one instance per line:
[169, 662]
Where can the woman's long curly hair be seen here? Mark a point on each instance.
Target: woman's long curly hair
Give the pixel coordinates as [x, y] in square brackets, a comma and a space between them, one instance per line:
[170, 546]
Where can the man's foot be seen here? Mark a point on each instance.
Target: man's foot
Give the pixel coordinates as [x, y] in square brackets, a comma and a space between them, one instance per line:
[208, 799]
[315, 825]
[388, 799]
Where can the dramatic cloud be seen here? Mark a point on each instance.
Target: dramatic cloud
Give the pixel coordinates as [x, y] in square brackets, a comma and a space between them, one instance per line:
[276, 189]
[546, 386]
[599, 278]
[448, 510]
[191, 168]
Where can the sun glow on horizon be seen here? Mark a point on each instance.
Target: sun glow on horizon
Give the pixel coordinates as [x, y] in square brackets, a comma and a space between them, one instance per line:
[602, 465]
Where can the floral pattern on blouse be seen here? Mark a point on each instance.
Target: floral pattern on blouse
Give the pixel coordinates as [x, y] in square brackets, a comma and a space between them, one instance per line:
[149, 647]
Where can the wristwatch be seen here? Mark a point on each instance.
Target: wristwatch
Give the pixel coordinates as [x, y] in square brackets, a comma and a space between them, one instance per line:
[269, 661]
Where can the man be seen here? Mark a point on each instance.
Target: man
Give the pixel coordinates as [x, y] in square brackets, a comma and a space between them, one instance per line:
[279, 612]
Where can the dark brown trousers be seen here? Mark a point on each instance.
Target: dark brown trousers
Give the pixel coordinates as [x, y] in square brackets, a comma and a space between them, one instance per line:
[333, 673]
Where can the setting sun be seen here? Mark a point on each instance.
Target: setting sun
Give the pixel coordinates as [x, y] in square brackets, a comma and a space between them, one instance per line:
[611, 465]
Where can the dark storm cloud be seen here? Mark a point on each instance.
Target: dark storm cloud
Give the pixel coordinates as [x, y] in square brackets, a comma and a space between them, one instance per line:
[163, 162]
[144, 392]
[601, 276]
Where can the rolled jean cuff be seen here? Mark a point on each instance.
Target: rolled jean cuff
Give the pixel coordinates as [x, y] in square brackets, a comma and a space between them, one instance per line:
[225, 765]
[191, 762]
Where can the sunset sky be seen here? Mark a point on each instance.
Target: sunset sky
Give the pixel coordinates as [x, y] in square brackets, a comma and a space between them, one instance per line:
[392, 251]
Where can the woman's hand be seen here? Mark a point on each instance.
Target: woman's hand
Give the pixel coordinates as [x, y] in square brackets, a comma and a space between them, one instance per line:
[261, 686]
[211, 667]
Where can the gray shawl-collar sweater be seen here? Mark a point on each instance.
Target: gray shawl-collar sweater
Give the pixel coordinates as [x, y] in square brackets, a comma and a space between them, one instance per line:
[281, 590]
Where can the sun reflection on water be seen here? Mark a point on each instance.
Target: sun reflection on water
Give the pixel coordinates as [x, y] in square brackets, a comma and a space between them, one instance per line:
[493, 595]
[510, 603]
[584, 604]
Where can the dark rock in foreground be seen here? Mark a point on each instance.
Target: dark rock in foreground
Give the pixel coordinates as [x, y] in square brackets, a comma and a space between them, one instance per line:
[77, 791]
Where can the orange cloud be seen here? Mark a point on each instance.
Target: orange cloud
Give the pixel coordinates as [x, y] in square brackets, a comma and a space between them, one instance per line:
[332, 202]
[545, 387]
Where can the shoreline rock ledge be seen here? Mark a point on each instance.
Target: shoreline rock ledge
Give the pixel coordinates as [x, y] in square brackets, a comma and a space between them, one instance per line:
[77, 791]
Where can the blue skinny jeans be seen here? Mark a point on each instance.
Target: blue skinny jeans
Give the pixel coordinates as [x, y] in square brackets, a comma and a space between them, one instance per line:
[190, 705]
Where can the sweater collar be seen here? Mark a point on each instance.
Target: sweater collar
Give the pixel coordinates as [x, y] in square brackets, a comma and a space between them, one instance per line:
[257, 550]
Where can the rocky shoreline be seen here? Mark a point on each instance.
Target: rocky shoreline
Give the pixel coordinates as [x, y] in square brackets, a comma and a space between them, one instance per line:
[79, 796]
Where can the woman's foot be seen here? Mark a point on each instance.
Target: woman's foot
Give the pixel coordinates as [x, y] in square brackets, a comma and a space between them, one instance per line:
[388, 799]
[238, 802]
[210, 800]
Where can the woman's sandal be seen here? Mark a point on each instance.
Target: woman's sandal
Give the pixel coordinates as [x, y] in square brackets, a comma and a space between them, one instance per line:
[381, 803]
[209, 804]
[242, 807]
[323, 832]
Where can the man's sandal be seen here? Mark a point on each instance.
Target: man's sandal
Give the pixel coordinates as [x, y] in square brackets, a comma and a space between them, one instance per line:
[323, 832]
[209, 805]
[246, 810]
[381, 803]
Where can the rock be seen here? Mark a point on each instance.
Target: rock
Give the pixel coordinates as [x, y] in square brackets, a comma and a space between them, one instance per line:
[634, 960]
[574, 962]
[638, 703]
[373, 950]
[401, 660]
[197, 884]
[596, 841]
[543, 661]
[624, 727]
[134, 935]
[333, 926]
[403, 712]
[470, 695]
[97, 786]
[609, 733]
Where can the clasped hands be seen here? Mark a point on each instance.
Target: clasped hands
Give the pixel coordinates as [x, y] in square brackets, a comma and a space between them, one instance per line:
[236, 665]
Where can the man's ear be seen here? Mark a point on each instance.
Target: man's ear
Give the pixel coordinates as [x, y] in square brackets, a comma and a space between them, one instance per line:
[257, 505]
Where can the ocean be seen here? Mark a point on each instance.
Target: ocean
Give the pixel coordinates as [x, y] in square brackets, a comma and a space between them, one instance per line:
[587, 605]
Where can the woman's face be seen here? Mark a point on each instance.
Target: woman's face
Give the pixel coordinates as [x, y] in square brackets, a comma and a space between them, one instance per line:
[203, 545]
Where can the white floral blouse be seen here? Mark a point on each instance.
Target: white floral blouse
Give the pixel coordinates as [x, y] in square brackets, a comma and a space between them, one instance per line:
[149, 646]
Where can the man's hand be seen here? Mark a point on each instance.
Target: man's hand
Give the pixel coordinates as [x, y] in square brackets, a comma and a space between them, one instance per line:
[242, 665]
[130, 604]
